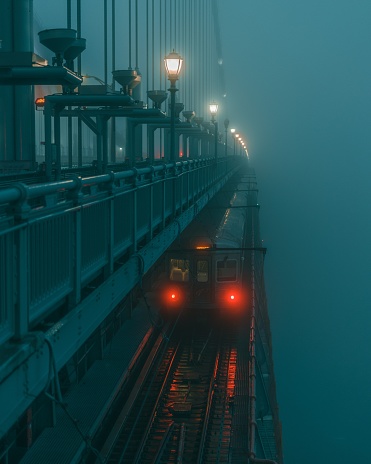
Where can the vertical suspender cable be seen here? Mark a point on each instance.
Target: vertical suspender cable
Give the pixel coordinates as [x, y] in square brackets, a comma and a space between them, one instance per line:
[184, 22]
[113, 27]
[161, 65]
[129, 30]
[191, 55]
[153, 44]
[165, 32]
[79, 122]
[105, 32]
[175, 24]
[171, 41]
[189, 67]
[211, 80]
[147, 46]
[160, 36]
[113, 40]
[136, 36]
[69, 119]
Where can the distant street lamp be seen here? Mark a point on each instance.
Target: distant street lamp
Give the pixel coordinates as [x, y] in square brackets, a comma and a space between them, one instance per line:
[234, 141]
[226, 124]
[213, 110]
[173, 64]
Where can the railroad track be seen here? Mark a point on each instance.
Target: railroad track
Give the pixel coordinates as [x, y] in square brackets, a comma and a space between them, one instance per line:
[180, 408]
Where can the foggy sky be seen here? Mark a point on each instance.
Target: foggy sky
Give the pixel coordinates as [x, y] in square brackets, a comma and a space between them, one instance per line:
[298, 78]
[303, 72]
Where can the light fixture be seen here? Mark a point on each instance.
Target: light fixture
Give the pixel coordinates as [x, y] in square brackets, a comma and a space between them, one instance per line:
[213, 109]
[173, 64]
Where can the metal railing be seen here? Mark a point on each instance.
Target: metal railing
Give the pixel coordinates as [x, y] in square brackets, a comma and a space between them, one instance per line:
[57, 238]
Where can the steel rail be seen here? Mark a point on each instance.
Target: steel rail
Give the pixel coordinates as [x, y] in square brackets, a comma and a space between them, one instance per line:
[150, 421]
[208, 407]
[120, 421]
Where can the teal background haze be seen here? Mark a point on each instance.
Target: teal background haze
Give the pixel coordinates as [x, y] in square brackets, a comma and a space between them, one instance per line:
[298, 78]
[303, 75]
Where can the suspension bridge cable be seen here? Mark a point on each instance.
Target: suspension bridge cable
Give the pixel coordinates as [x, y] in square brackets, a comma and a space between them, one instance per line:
[129, 31]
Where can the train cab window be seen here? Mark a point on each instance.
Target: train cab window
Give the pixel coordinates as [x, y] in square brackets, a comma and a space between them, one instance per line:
[226, 270]
[202, 271]
[179, 270]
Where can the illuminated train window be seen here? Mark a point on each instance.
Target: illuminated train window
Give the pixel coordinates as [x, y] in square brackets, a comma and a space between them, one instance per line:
[179, 270]
[226, 270]
[202, 271]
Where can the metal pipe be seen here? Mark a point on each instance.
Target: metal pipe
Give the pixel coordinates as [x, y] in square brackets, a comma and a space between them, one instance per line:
[90, 100]
[9, 195]
[39, 76]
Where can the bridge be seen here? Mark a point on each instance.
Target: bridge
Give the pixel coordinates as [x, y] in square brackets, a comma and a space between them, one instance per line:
[99, 173]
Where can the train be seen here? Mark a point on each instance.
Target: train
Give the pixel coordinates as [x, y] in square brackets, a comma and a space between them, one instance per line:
[205, 267]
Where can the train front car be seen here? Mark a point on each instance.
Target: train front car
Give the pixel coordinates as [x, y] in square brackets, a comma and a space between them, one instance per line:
[229, 256]
[204, 267]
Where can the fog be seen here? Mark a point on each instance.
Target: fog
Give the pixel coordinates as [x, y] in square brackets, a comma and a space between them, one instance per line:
[303, 75]
[298, 78]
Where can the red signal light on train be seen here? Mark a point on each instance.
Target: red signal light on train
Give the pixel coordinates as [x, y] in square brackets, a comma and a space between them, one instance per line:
[233, 297]
[173, 296]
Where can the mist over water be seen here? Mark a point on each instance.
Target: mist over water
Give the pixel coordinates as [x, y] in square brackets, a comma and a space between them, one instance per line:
[303, 76]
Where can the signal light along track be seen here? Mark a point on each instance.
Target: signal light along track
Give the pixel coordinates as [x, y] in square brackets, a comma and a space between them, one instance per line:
[180, 409]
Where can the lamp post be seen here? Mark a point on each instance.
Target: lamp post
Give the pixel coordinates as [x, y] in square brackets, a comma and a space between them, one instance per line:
[213, 110]
[226, 124]
[234, 141]
[173, 64]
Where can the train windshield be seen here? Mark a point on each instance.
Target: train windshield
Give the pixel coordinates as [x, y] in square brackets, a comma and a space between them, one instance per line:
[226, 270]
[179, 270]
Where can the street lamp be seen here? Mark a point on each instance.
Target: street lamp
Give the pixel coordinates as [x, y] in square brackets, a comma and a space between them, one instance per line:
[173, 64]
[213, 110]
[234, 141]
[226, 124]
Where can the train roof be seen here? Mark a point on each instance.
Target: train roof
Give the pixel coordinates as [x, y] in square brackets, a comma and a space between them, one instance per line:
[221, 224]
[231, 231]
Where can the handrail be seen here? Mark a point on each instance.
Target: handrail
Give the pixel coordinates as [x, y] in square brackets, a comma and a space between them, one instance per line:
[20, 191]
[252, 370]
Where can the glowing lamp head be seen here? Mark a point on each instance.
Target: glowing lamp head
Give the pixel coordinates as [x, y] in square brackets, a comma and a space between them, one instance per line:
[233, 131]
[213, 108]
[173, 64]
[231, 297]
